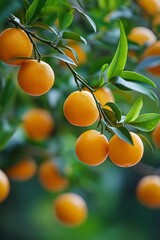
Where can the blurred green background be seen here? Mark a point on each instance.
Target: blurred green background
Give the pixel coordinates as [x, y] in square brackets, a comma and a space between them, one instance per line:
[109, 191]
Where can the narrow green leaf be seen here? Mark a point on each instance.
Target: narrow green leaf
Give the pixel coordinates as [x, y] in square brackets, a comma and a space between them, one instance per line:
[7, 94]
[134, 111]
[119, 60]
[92, 23]
[137, 86]
[73, 36]
[115, 109]
[145, 140]
[123, 134]
[65, 18]
[146, 122]
[44, 26]
[73, 51]
[31, 10]
[133, 76]
[6, 132]
[62, 57]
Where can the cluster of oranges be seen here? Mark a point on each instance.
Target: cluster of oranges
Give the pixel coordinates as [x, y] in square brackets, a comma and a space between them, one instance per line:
[145, 36]
[34, 77]
[92, 147]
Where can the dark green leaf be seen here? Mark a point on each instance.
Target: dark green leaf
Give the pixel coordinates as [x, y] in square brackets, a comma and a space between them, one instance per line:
[133, 76]
[7, 94]
[123, 134]
[73, 51]
[137, 86]
[73, 36]
[44, 26]
[6, 133]
[92, 23]
[145, 140]
[115, 109]
[119, 60]
[134, 111]
[62, 57]
[146, 122]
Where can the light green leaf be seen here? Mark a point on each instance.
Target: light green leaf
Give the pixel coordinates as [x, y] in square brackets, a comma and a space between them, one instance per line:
[146, 122]
[31, 10]
[134, 111]
[119, 60]
[65, 18]
[123, 134]
[92, 23]
[133, 76]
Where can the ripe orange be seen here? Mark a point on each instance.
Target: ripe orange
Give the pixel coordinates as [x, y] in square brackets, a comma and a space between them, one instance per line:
[151, 7]
[4, 186]
[156, 136]
[36, 78]
[142, 35]
[80, 108]
[151, 51]
[103, 95]
[23, 170]
[148, 191]
[51, 178]
[38, 124]
[156, 22]
[14, 43]
[92, 147]
[70, 209]
[124, 154]
[82, 57]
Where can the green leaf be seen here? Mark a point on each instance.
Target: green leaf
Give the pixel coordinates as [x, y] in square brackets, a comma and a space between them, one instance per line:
[145, 140]
[65, 18]
[119, 60]
[146, 122]
[92, 23]
[31, 10]
[115, 109]
[73, 51]
[44, 26]
[6, 133]
[73, 36]
[7, 94]
[137, 86]
[34, 10]
[62, 57]
[134, 111]
[133, 76]
[123, 134]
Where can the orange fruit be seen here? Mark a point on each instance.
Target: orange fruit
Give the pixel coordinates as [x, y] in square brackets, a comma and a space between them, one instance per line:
[35, 78]
[82, 57]
[92, 147]
[70, 209]
[124, 154]
[151, 7]
[51, 178]
[142, 35]
[4, 186]
[80, 108]
[103, 95]
[156, 136]
[153, 51]
[23, 170]
[148, 191]
[38, 124]
[14, 43]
